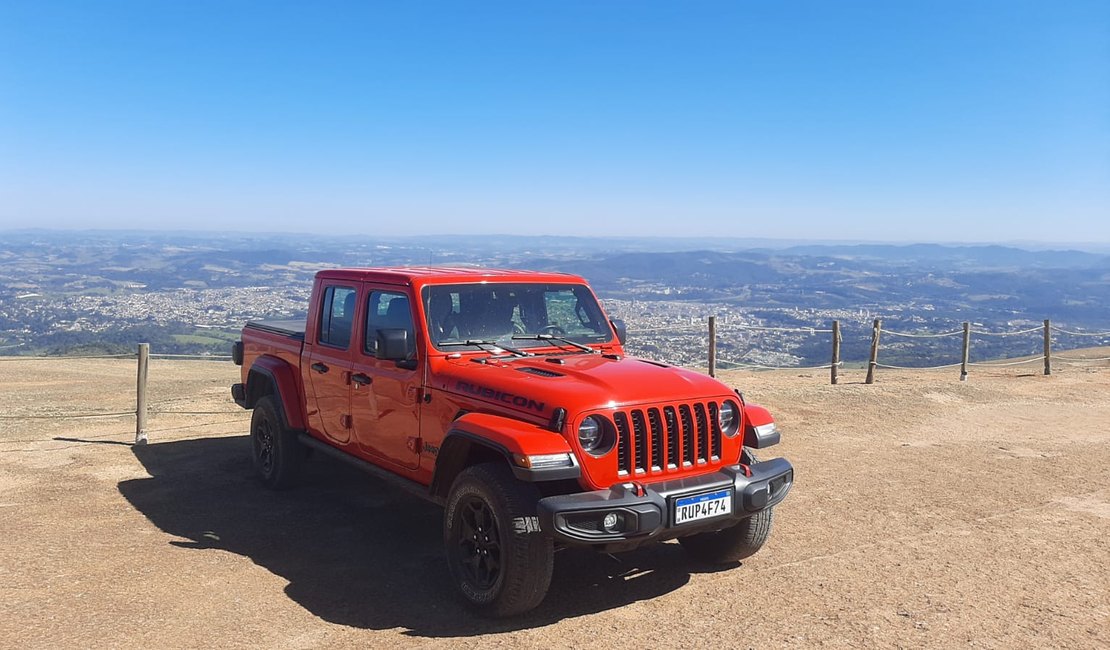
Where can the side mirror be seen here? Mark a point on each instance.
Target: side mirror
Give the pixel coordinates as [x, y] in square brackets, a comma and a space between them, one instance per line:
[620, 329]
[393, 345]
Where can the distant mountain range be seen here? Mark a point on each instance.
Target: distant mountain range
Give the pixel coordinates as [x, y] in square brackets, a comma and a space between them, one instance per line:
[60, 289]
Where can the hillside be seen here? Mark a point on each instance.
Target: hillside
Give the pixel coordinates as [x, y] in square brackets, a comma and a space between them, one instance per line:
[927, 512]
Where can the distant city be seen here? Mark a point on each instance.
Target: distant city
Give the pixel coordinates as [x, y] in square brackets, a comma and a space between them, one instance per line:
[190, 293]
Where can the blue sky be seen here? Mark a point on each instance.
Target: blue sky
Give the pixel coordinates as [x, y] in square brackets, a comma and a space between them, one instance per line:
[926, 121]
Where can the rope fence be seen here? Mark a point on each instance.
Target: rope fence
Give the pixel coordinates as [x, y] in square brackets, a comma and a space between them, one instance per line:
[967, 332]
[142, 408]
[166, 406]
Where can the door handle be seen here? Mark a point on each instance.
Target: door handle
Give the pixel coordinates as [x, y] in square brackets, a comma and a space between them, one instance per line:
[319, 367]
[360, 379]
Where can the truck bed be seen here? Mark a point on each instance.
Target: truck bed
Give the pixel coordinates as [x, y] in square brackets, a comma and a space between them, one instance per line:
[292, 328]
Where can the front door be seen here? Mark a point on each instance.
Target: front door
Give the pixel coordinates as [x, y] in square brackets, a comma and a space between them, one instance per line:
[385, 401]
[329, 359]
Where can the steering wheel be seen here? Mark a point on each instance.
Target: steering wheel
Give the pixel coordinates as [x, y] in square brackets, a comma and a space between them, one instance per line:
[553, 330]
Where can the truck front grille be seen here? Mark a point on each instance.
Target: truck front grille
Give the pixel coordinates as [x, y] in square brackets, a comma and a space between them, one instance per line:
[657, 439]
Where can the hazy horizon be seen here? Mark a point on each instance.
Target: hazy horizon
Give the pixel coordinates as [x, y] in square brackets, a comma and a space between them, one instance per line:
[745, 242]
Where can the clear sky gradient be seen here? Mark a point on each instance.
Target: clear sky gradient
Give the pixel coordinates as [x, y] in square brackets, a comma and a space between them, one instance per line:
[927, 121]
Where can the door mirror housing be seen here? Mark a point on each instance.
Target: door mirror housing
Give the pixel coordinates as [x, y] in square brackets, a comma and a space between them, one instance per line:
[393, 345]
[620, 329]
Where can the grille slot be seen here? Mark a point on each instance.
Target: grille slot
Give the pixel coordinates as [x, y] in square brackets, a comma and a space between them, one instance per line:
[665, 438]
[673, 437]
[640, 438]
[687, 422]
[703, 432]
[658, 451]
[715, 422]
[624, 443]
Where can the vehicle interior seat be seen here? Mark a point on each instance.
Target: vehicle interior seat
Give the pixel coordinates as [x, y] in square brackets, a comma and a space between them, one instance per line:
[341, 323]
[441, 315]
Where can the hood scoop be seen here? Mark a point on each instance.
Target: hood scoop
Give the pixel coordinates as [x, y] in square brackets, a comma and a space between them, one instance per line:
[540, 372]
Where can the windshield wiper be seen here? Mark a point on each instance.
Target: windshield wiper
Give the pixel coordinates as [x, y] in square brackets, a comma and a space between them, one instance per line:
[560, 339]
[483, 345]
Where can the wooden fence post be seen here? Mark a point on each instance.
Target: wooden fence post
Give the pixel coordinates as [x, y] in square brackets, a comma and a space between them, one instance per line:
[967, 351]
[140, 394]
[876, 331]
[1047, 348]
[835, 352]
[712, 346]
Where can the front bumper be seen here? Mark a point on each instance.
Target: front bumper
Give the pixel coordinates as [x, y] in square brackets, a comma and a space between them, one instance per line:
[646, 512]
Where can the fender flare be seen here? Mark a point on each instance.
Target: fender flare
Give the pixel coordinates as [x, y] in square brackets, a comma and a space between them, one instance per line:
[483, 436]
[760, 430]
[272, 376]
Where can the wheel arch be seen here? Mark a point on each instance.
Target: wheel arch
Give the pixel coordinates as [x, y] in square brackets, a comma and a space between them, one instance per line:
[459, 451]
[272, 376]
[481, 437]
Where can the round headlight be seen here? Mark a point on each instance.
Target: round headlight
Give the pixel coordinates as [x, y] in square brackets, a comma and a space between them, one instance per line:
[729, 419]
[589, 434]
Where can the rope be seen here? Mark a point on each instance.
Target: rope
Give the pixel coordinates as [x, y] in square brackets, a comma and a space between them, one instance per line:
[1031, 329]
[1079, 360]
[202, 357]
[947, 365]
[77, 416]
[988, 364]
[922, 336]
[84, 416]
[1064, 331]
[742, 364]
[677, 328]
[197, 412]
[809, 330]
[725, 326]
[62, 357]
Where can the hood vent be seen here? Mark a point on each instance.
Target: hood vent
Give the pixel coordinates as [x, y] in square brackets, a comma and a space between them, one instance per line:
[539, 372]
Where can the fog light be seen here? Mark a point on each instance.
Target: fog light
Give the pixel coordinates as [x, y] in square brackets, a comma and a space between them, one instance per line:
[610, 522]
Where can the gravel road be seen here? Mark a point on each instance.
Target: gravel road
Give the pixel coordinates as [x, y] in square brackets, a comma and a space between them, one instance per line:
[927, 513]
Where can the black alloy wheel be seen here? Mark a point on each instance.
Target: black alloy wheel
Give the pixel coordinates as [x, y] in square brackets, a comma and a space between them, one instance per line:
[263, 442]
[277, 454]
[479, 542]
[498, 557]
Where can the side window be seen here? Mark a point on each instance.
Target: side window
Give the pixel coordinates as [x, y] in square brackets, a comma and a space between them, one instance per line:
[337, 316]
[386, 310]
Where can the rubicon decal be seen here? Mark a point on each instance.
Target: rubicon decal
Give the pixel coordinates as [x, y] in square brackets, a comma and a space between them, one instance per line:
[499, 396]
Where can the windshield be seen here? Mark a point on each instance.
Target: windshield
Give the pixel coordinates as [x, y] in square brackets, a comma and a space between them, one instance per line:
[499, 312]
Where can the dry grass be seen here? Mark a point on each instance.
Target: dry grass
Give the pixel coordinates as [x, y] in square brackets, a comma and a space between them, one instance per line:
[927, 512]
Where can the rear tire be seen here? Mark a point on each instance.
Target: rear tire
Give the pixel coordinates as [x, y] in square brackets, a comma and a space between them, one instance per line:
[498, 557]
[736, 542]
[277, 454]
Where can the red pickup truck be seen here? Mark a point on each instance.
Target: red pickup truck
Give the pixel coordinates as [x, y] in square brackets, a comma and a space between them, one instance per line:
[506, 397]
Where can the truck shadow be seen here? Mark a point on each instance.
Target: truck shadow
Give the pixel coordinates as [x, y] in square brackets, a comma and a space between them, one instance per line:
[357, 552]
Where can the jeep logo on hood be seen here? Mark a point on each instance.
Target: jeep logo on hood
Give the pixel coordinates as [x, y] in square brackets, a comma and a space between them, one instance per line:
[499, 396]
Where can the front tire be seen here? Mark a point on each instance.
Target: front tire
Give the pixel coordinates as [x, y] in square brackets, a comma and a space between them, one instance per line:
[498, 557]
[277, 454]
[736, 542]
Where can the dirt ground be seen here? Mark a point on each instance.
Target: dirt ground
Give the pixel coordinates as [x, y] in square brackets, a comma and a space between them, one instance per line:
[927, 513]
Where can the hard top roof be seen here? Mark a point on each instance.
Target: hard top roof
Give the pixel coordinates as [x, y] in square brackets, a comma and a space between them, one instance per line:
[444, 274]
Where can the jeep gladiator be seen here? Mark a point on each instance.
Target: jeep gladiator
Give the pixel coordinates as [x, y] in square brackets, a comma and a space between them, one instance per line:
[506, 397]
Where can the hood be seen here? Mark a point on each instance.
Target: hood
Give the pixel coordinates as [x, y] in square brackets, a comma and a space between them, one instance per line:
[576, 382]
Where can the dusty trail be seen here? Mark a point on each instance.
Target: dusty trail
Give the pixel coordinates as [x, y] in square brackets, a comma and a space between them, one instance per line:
[927, 512]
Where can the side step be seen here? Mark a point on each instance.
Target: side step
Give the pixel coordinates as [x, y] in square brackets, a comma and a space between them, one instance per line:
[412, 487]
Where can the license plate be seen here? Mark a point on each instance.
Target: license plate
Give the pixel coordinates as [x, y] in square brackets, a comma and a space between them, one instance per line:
[702, 506]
